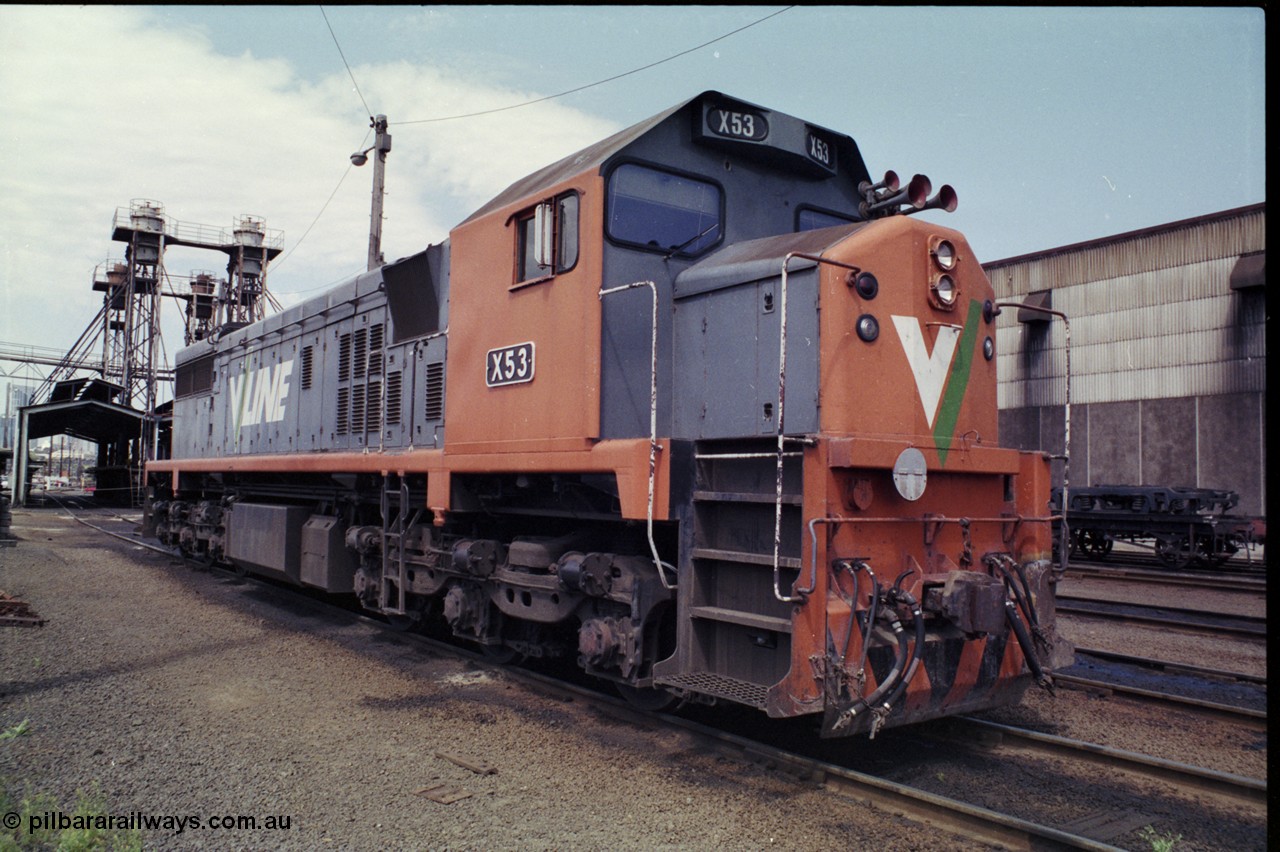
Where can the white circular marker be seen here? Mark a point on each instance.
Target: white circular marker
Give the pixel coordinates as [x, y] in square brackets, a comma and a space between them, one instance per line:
[910, 474]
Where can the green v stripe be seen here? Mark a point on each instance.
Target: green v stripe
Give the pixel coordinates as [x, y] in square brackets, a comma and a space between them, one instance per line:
[957, 383]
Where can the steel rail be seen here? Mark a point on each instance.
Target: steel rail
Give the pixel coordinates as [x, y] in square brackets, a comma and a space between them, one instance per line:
[1235, 584]
[1255, 719]
[1196, 778]
[1152, 663]
[1247, 564]
[1244, 627]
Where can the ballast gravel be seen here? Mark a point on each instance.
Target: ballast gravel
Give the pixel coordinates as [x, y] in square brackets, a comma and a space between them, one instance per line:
[190, 694]
[186, 694]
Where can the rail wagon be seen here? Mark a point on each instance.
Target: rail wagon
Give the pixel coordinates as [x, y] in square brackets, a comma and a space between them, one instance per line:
[701, 407]
[1183, 526]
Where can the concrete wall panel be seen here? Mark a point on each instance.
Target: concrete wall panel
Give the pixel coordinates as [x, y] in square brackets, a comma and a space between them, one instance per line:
[1169, 442]
[1114, 444]
[1231, 447]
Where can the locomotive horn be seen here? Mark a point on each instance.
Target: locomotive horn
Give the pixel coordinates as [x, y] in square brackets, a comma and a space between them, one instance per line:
[945, 200]
[890, 183]
[916, 194]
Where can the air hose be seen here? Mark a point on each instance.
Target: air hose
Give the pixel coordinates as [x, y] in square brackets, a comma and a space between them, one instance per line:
[1028, 650]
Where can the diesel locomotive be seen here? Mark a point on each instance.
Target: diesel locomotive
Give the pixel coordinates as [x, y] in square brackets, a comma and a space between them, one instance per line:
[701, 406]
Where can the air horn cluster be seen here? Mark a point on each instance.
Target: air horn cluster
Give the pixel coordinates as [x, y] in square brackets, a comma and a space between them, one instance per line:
[886, 199]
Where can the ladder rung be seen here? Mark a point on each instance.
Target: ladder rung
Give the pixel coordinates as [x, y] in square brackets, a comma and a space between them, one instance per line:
[747, 558]
[746, 497]
[734, 456]
[740, 617]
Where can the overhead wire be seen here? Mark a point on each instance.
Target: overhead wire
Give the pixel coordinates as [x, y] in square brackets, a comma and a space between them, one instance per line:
[324, 207]
[350, 73]
[338, 186]
[599, 82]
[565, 93]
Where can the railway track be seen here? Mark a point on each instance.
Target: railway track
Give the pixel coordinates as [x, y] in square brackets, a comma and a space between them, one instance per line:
[1170, 666]
[1209, 710]
[1193, 621]
[1250, 564]
[953, 815]
[967, 731]
[1233, 583]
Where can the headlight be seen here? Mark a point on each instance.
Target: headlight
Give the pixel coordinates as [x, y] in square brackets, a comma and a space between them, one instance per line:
[944, 254]
[944, 290]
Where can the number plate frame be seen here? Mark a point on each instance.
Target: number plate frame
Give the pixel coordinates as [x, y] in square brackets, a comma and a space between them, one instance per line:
[509, 365]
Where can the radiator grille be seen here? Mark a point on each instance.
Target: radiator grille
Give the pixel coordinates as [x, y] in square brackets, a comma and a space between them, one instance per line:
[307, 357]
[393, 398]
[435, 391]
[344, 357]
[361, 354]
[344, 410]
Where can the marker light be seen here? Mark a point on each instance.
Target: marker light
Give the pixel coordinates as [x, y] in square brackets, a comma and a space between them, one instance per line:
[868, 328]
[866, 285]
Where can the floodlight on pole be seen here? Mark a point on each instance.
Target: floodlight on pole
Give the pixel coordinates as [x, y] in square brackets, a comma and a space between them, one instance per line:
[381, 145]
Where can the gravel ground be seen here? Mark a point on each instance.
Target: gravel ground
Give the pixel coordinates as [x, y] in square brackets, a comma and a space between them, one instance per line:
[1150, 594]
[1174, 735]
[180, 693]
[183, 693]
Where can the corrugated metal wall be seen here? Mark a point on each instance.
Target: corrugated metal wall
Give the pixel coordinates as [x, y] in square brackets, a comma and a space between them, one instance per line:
[1153, 318]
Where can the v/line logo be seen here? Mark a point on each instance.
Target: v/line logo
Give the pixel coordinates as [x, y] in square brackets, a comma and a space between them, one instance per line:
[930, 369]
[260, 394]
[941, 374]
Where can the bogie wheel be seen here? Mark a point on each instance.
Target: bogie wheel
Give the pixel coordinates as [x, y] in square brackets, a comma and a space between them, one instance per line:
[1174, 552]
[1215, 553]
[1094, 543]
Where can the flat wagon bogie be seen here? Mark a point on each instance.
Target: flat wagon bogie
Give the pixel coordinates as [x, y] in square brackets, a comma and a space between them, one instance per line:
[1182, 526]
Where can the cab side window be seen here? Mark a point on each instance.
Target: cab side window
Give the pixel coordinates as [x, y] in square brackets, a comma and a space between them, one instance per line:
[662, 211]
[547, 239]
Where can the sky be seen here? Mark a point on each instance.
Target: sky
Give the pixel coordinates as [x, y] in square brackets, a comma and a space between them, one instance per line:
[1054, 125]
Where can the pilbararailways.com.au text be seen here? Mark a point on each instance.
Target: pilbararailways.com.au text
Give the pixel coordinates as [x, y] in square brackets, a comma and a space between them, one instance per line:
[138, 821]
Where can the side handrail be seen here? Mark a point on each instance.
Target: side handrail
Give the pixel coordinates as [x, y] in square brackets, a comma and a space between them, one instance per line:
[797, 595]
[661, 566]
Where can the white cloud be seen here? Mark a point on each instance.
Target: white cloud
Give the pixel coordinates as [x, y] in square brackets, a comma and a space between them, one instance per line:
[99, 106]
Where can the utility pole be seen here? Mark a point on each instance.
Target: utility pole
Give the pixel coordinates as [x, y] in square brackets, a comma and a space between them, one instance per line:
[381, 145]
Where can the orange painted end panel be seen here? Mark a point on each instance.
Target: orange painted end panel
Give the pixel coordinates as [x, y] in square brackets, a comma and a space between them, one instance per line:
[560, 316]
[1031, 495]
[962, 458]
[872, 388]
